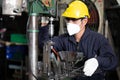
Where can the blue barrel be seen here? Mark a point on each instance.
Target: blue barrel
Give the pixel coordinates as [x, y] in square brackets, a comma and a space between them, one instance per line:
[16, 52]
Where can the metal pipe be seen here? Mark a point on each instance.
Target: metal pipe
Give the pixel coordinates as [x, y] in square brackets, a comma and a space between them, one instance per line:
[33, 45]
[51, 27]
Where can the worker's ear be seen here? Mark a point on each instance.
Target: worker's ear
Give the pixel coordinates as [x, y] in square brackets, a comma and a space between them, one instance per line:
[84, 21]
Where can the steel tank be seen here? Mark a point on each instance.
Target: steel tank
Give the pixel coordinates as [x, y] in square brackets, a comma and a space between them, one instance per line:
[11, 7]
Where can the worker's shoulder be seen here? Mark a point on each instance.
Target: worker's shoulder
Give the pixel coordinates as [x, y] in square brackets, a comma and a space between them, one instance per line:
[61, 37]
[96, 34]
[64, 35]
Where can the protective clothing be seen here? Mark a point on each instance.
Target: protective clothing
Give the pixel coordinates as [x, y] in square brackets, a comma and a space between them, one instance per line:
[91, 44]
[76, 9]
[90, 66]
[72, 28]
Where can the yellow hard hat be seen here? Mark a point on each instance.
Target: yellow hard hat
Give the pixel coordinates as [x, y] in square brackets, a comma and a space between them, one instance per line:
[76, 9]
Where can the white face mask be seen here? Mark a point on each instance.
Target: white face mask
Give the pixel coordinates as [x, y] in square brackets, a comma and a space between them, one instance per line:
[72, 28]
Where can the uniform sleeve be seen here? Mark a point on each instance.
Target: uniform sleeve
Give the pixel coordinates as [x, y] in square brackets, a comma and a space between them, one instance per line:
[58, 43]
[43, 36]
[107, 58]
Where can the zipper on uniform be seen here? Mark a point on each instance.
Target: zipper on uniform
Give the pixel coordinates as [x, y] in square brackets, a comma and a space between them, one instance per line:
[77, 46]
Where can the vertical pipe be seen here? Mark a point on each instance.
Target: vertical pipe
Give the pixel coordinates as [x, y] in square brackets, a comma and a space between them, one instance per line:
[33, 45]
[100, 6]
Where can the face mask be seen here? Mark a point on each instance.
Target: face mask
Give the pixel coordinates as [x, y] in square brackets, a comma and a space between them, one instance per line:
[72, 28]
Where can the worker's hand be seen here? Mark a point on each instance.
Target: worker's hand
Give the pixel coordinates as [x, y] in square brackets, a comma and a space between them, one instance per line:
[44, 21]
[90, 66]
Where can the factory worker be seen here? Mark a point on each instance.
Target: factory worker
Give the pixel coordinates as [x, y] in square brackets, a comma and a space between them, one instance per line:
[95, 47]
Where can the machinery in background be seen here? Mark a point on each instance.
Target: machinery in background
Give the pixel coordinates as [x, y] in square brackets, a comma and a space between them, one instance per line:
[47, 7]
[13, 7]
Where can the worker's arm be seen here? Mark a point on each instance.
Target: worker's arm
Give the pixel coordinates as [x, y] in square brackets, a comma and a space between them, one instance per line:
[43, 35]
[107, 58]
[43, 31]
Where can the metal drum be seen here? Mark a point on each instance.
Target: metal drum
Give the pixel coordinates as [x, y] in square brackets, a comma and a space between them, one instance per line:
[9, 7]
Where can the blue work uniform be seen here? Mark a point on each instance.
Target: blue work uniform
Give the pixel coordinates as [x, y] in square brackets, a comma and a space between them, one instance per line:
[91, 44]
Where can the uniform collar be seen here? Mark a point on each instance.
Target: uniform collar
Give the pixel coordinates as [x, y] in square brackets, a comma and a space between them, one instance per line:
[85, 34]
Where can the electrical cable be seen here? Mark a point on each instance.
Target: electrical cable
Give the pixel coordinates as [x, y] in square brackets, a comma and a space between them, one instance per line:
[56, 53]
